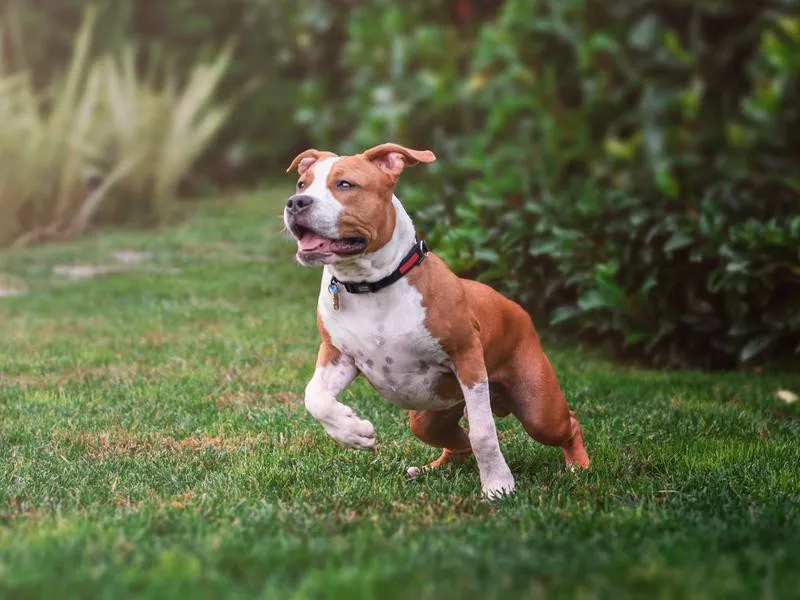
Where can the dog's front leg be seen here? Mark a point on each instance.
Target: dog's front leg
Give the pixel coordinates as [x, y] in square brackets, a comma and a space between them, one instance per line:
[496, 477]
[333, 373]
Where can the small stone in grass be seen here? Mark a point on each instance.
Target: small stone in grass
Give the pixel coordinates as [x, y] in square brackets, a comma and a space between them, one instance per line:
[412, 472]
[84, 271]
[8, 292]
[787, 396]
[131, 257]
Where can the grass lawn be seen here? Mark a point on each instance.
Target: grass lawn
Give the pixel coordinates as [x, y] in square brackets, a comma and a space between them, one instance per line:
[153, 442]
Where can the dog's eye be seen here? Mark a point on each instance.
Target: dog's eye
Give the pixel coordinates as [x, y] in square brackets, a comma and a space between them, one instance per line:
[343, 184]
[301, 185]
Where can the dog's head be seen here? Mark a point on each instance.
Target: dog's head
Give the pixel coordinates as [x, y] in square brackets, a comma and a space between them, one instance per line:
[342, 206]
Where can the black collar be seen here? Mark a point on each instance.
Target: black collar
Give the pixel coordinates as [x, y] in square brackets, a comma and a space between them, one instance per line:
[415, 256]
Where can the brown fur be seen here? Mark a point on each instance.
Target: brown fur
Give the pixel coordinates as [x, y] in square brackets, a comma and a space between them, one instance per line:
[328, 353]
[393, 158]
[365, 206]
[487, 337]
[305, 160]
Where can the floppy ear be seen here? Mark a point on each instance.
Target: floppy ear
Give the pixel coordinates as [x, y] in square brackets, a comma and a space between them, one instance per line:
[393, 158]
[303, 161]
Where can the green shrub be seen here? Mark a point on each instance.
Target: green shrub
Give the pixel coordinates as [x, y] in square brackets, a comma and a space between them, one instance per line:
[627, 169]
[100, 143]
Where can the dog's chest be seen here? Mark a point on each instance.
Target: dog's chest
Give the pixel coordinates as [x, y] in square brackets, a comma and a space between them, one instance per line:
[385, 334]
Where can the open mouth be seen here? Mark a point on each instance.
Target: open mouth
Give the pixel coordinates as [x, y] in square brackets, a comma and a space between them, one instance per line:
[312, 244]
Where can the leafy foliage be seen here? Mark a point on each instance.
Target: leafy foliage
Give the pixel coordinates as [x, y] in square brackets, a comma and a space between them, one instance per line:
[628, 169]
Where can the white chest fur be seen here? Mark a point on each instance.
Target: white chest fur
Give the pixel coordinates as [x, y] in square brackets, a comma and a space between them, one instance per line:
[385, 334]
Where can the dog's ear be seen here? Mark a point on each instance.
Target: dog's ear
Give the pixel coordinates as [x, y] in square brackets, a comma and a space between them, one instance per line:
[393, 158]
[303, 161]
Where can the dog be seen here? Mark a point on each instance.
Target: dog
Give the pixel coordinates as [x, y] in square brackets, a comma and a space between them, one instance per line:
[428, 341]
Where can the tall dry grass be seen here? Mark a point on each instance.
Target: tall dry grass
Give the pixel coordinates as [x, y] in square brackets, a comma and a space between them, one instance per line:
[103, 139]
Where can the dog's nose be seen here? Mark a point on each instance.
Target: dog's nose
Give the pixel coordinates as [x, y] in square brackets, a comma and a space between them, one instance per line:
[297, 204]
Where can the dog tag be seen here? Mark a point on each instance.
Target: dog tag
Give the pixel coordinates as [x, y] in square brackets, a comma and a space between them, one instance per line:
[334, 291]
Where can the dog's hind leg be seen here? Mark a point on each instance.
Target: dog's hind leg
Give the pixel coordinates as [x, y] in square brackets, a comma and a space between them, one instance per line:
[539, 404]
[441, 429]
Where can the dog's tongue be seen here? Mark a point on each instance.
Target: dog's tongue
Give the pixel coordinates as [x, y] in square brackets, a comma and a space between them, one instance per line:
[313, 241]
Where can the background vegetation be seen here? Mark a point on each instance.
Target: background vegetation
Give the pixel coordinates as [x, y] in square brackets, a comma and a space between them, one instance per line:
[632, 165]
[104, 140]
[626, 168]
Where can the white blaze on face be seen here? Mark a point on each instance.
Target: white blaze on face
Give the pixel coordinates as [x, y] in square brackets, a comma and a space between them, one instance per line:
[324, 214]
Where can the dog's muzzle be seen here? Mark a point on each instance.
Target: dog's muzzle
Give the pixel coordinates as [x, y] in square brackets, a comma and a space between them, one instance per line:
[298, 204]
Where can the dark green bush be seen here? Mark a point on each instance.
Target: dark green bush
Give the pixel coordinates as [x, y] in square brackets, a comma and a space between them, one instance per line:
[628, 169]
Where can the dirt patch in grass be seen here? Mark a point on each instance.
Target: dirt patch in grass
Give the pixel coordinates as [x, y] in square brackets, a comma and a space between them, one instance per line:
[221, 250]
[86, 271]
[245, 376]
[8, 292]
[238, 389]
[246, 400]
[181, 501]
[124, 261]
[18, 509]
[419, 511]
[176, 501]
[122, 443]
[11, 286]
[113, 374]
[243, 388]
[297, 443]
[131, 257]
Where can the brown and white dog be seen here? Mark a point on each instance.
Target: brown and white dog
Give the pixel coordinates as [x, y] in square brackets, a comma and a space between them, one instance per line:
[427, 341]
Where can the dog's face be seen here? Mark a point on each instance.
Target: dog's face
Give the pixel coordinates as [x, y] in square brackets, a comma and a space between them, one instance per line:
[342, 207]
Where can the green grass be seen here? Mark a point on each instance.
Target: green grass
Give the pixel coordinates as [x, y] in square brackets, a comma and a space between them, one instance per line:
[153, 442]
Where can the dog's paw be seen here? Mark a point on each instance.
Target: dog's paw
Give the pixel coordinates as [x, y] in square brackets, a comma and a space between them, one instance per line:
[498, 486]
[353, 432]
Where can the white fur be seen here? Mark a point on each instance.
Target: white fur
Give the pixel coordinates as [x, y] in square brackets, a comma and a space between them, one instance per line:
[339, 420]
[323, 215]
[496, 477]
[384, 332]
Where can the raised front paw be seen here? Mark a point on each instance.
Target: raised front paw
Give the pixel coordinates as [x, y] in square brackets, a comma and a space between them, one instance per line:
[352, 432]
[498, 485]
